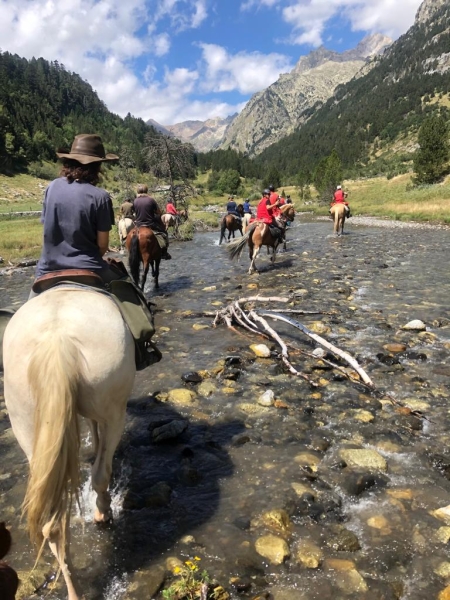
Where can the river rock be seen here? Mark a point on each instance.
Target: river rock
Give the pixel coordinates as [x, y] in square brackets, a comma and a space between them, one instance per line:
[443, 514]
[169, 431]
[347, 578]
[415, 325]
[181, 396]
[267, 398]
[158, 495]
[378, 522]
[443, 535]
[199, 326]
[191, 377]
[363, 458]
[274, 548]
[319, 327]
[308, 459]
[443, 570]
[308, 554]
[276, 519]
[342, 539]
[319, 353]
[260, 350]
[301, 488]
[207, 388]
[444, 594]
[395, 347]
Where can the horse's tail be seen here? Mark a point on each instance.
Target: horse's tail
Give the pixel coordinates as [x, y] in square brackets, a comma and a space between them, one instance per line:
[236, 248]
[55, 374]
[134, 258]
[223, 228]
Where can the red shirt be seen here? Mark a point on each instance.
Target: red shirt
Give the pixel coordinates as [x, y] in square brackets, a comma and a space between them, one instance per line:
[263, 213]
[339, 196]
[273, 198]
[170, 209]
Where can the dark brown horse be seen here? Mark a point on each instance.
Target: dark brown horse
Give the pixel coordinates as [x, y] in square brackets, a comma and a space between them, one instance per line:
[143, 247]
[231, 223]
[259, 234]
[9, 581]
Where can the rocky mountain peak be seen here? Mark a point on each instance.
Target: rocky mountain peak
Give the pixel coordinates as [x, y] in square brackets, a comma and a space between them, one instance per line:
[427, 8]
[368, 47]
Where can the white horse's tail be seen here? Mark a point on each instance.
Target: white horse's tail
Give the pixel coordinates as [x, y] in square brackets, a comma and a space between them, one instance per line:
[55, 374]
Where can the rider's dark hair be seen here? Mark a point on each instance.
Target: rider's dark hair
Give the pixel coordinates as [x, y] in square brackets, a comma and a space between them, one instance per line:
[75, 171]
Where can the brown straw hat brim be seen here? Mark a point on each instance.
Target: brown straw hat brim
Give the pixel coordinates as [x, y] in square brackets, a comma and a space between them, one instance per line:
[85, 159]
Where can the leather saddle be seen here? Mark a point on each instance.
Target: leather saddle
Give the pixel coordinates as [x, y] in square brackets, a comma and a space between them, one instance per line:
[81, 276]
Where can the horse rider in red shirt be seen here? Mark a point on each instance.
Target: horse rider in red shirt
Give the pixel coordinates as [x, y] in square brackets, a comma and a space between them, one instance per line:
[339, 197]
[265, 212]
[170, 209]
[274, 197]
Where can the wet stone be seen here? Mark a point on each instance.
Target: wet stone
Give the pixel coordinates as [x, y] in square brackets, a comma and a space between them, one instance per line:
[308, 554]
[274, 548]
[341, 539]
[191, 377]
[364, 459]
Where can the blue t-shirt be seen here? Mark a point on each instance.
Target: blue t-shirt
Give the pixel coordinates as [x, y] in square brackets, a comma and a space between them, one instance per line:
[232, 206]
[72, 215]
[247, 208]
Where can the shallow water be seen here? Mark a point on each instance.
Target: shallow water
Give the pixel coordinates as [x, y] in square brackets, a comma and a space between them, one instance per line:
[237, 460]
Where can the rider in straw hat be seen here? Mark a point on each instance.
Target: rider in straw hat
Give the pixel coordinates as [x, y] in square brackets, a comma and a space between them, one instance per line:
[77, 218]
[77, 215]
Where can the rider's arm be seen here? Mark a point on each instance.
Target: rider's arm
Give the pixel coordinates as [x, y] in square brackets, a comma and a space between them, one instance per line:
[103, 241]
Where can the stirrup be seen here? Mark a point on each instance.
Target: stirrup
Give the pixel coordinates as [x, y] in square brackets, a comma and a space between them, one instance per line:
[146, 354]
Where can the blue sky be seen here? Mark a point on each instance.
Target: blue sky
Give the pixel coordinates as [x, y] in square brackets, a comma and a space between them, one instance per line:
[177, 60]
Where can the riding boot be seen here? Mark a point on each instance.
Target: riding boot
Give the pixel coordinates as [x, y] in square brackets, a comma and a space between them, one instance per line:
[165, 255]
[146, 354]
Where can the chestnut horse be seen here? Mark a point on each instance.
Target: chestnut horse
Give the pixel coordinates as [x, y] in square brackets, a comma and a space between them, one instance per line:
[338, 212]
[231, 223]
[143, 247]
[67, 353]
[258, 234]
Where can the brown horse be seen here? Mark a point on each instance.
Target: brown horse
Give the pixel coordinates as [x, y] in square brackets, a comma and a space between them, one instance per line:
[231, 223]
[143, 246]
[259, 234]
[338, 212]
[9, 582]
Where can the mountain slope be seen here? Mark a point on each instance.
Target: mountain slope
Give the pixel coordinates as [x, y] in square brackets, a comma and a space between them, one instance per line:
[373, 110]
[279, 109]
[203, 135]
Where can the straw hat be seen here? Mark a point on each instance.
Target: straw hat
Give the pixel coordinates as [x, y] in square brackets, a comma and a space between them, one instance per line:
[87, 148]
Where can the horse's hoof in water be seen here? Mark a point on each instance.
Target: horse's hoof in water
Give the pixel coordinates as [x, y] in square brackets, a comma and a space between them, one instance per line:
[103, 518]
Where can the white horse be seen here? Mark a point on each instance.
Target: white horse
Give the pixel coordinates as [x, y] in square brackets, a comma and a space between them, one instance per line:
[67, 352]
[170, 220]
[124, 225]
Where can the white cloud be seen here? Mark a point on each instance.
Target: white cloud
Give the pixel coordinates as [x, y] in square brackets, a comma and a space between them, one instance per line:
[309, 18]
[161, 44]
[248, 4]
[247, 72]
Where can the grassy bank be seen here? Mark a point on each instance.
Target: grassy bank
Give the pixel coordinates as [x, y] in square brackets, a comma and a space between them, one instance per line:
[395, 199]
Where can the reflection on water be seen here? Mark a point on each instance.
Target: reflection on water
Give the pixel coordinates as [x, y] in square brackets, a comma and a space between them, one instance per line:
[205, 491]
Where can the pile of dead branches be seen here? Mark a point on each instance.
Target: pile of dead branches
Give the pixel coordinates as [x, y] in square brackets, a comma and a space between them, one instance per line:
[244, 313]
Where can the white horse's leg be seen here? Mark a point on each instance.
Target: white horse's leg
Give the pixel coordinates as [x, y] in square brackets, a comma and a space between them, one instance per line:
[109, 436]
[252, 264]
[67, 570]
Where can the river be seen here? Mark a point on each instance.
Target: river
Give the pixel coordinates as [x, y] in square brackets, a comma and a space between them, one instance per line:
[237, 483]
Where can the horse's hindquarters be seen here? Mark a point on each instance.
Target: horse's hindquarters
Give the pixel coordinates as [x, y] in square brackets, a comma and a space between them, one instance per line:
[93, 322]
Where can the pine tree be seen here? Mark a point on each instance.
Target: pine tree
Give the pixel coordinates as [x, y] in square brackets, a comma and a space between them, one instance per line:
[431, 158]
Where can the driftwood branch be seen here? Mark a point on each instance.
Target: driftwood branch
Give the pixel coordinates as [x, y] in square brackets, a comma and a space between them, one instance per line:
[244, 313]
[320, 340]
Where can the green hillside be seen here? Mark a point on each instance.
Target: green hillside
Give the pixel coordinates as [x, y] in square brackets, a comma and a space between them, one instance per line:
[43, 106]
